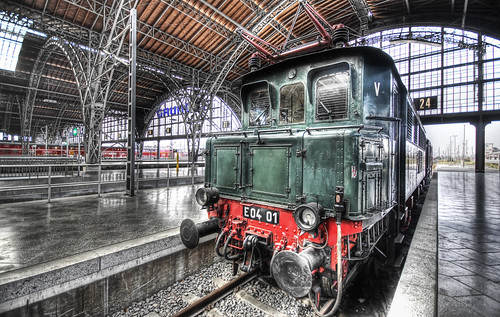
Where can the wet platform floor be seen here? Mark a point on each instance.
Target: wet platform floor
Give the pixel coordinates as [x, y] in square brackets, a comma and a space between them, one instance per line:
[468, 228]
[37, 232]
[468, 244]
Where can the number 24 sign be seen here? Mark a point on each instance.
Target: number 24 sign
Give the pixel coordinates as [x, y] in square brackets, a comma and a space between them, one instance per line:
[425, 103]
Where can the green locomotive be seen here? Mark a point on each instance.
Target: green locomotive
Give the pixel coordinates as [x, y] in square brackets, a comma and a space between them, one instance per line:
[329, 157]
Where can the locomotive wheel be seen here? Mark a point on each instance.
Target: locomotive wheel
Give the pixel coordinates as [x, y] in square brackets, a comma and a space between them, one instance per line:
[328, 286]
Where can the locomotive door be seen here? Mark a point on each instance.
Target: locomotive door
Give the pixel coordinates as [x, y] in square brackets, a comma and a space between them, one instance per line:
[372, 158]
[323, 166]
[270, 171]
[226, 167]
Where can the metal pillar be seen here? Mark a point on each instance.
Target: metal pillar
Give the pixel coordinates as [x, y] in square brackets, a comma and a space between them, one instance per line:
[158, 156]
[102, 62]
[480, 125]
[131, 105]
[8, 112]
[480, 146]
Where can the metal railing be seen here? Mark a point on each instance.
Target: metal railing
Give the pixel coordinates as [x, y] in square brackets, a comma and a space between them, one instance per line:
[50, 176]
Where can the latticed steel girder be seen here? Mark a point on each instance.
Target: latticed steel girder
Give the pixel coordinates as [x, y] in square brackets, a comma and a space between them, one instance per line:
[101, 9]
[74, 56]
[56, 127]
[363, 13]
[11, 74]
[212, 85]
[201, 96]
[83, 36]
[103, 61]
[5, 123]
[94, 83]
[47, 23]
[96, 87]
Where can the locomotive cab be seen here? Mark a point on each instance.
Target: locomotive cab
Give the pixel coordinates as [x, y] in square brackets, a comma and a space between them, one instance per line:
[310, 184]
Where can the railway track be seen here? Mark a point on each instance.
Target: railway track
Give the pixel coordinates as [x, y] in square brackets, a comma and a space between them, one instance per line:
[201, 304]
[243, 293]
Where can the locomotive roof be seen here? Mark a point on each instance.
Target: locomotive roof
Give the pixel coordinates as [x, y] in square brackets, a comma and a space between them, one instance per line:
[369, 53]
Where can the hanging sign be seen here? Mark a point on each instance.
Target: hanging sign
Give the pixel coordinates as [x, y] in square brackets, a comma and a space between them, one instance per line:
[425, 103]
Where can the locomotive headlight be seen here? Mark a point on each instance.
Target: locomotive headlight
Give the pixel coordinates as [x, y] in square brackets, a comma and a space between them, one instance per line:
[207, 196]
[308, 216]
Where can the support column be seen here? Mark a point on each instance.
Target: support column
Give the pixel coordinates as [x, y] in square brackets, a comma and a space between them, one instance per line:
[480, 125]
[94, 114]
[158, 156]
[480, 144]
[131, 105]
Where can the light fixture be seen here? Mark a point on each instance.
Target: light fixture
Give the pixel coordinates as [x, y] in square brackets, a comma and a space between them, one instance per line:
[308, 216]
[207, 196]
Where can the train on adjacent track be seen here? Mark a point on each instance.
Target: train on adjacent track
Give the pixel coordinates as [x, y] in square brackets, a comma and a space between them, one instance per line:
[14, 149]
[329, 161]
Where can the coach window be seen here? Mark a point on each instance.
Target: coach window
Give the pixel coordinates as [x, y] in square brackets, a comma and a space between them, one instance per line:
[332, 96]
[260, 107]
[292, 103]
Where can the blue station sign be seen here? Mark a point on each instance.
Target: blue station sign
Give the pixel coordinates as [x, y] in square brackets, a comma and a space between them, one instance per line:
[172, 111]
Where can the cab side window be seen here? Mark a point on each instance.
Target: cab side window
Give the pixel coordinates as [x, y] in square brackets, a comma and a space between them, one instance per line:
[332, 96]
[260, 108]
[292, 104]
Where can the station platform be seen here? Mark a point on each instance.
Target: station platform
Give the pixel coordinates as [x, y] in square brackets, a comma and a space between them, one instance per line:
[95, 255]
[89, 255]
[453, 266]
[36, 232]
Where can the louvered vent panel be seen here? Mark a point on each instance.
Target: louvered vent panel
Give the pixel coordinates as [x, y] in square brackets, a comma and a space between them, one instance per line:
[409, 126]
[331, 98]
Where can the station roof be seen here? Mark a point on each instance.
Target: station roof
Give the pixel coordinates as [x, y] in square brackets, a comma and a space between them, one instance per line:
[196, 38]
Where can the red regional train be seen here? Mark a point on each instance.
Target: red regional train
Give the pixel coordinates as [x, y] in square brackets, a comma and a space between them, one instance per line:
[11, 149]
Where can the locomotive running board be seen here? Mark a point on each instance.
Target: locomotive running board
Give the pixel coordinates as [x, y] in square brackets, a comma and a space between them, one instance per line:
[399, 239]
[367, 240]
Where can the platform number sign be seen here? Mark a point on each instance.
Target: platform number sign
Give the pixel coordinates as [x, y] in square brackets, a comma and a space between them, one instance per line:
[426, 103]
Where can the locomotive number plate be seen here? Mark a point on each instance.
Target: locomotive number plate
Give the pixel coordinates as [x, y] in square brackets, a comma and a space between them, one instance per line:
[260, 214]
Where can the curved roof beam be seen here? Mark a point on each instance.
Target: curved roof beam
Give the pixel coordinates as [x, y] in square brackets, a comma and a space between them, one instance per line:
[465, 13]
[151, 31]
[363, 13]
[407, 5]
[47, 23]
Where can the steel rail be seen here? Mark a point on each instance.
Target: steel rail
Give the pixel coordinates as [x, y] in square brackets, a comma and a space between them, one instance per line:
[200, 305]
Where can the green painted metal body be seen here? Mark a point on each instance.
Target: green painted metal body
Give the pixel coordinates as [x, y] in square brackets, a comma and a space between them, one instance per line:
[298, 143]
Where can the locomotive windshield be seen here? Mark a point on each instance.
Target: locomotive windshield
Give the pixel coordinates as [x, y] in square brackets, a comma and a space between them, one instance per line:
[331, 96]
[292, 103]
[260, 107]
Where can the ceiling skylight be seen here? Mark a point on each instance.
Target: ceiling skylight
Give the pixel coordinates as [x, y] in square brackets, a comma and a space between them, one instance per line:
[12, 31]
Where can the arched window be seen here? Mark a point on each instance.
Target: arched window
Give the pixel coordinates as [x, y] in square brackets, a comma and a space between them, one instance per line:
[447, 63]
[168, 126]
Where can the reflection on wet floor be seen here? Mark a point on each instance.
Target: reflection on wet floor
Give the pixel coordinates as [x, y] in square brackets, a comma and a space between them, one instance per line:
[37, 232]
[152, 173]
[469, 244]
